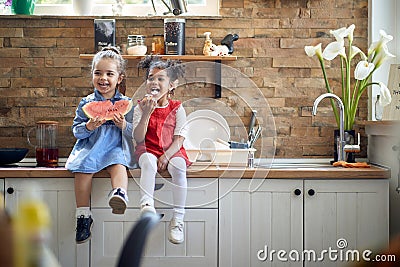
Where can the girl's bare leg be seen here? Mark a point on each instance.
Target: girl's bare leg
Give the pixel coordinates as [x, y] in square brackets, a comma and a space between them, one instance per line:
[83, 189]
[119, 176]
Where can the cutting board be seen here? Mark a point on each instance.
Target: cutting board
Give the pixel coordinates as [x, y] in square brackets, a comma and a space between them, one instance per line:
[392, 111]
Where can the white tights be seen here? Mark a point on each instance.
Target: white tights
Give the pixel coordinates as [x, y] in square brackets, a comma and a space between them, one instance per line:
[177, 169]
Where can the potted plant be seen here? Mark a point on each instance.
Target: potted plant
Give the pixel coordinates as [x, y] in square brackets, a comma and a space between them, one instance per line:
[353, 84]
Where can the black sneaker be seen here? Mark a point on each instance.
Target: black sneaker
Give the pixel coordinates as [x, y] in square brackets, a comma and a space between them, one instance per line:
[83, 229]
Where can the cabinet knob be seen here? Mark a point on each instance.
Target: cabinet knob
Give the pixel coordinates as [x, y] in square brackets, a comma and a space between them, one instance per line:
[10, 190]
[311, 192]
[297, 192]
[158, 186]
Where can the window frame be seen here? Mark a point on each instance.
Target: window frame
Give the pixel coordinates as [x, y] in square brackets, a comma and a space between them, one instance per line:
[210, 9]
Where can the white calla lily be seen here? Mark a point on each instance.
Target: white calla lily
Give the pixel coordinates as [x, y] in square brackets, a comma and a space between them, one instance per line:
[363, 69]
[385, 97]
[355, 51]
[339, 34]
[343, 32]
[383, 55]
[350, 31]
[376, 46]
[352, 91]
[314, 50]
[334, 49]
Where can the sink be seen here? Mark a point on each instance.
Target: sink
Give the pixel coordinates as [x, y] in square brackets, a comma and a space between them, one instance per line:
[295, 165]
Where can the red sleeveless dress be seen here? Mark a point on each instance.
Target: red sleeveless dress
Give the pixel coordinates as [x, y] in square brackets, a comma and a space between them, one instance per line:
[160, 133]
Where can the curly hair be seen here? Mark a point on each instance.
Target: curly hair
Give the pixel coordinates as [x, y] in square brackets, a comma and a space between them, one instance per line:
[111, 52]
[174, 68]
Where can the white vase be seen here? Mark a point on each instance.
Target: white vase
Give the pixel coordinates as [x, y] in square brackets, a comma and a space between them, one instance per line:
[82, 7]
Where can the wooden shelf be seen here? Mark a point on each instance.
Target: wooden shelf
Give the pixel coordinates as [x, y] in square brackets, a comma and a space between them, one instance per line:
[186, 58]
[181, 57]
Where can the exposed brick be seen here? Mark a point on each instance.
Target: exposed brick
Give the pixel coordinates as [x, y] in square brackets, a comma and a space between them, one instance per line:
[5, 82]
[42, 77]
[14, 32]
[51, 32]
[33, 42]
[304, 131]
[35, 82]
[299, 62]
[263, 23]
[232, 3]
[274, 13]
[236, 12]
[49, 72]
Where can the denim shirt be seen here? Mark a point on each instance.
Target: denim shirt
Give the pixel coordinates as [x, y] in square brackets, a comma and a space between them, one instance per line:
[104, 146]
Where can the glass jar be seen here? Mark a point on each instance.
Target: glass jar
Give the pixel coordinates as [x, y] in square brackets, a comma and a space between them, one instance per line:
[136, 45]
[157, 45]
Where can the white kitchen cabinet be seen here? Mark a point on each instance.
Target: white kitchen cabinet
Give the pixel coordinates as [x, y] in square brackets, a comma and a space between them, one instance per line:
[356, 212]
[2, 188]
[292, 214]
[253, 219]
[384, 149]
[200, 247]
[58, 194]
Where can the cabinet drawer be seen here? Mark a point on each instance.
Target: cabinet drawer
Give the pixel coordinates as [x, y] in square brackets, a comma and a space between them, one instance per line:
[201, 193]
[199, 248]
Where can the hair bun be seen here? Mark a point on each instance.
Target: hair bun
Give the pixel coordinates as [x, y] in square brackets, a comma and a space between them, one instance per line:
[111, 48]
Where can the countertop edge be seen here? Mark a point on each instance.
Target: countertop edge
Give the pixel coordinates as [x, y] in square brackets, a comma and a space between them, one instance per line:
[375, 172]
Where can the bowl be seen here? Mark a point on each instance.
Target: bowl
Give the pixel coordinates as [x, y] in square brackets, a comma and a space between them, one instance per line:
[138, 50]
[12, 155]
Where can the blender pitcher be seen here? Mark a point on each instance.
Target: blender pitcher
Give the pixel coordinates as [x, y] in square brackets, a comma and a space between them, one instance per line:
[46, 143]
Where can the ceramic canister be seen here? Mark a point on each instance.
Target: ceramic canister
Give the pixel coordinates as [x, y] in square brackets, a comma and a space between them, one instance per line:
[174, 36]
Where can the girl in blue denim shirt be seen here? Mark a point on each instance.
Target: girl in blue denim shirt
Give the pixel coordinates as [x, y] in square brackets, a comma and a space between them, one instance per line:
[101, 144]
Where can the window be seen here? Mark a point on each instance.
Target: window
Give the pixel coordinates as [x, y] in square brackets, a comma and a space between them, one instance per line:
[130, 7]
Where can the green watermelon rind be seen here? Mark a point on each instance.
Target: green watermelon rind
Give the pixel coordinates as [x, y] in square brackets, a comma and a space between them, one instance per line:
[108, 109]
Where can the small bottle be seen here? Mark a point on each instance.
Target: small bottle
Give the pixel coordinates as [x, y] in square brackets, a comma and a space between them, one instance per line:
[250, 159]
[378, 109]
[136, 45]
[157, 45]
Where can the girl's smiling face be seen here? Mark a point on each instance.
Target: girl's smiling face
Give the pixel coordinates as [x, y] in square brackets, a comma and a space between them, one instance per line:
[158, 85]
[106, 77]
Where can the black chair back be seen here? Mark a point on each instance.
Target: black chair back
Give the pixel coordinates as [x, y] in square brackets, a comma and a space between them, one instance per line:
[132, 250]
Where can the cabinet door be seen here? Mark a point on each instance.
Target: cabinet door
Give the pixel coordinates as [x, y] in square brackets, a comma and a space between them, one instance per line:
[352, 211]
[199, 248]
[58, 194]
[254, 221]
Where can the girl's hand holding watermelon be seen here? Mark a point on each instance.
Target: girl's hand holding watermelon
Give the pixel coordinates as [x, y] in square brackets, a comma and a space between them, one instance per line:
[148, 104]
[94, 123]
[119, 120]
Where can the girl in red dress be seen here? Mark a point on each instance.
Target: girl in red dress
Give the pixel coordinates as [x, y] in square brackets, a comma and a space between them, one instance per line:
[159, 131]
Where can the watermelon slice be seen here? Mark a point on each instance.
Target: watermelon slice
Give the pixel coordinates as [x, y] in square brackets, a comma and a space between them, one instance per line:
[106, 109]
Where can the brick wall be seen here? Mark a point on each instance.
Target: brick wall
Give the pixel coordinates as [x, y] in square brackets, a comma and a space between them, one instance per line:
[42, 76]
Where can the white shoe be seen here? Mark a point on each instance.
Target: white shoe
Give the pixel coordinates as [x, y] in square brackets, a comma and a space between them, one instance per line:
[176, 231]
[118, 200]
[147, 208]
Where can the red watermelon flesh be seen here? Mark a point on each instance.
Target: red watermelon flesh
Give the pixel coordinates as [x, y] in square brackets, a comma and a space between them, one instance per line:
[106, 109]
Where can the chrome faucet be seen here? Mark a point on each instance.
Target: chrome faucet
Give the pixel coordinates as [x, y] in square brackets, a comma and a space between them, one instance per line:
[342, 142]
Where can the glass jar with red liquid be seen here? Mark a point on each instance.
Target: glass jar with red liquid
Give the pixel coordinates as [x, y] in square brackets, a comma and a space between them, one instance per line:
[46, 143]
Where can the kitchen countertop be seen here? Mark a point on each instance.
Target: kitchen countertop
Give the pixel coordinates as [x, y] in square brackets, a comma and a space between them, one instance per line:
[295, 170]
